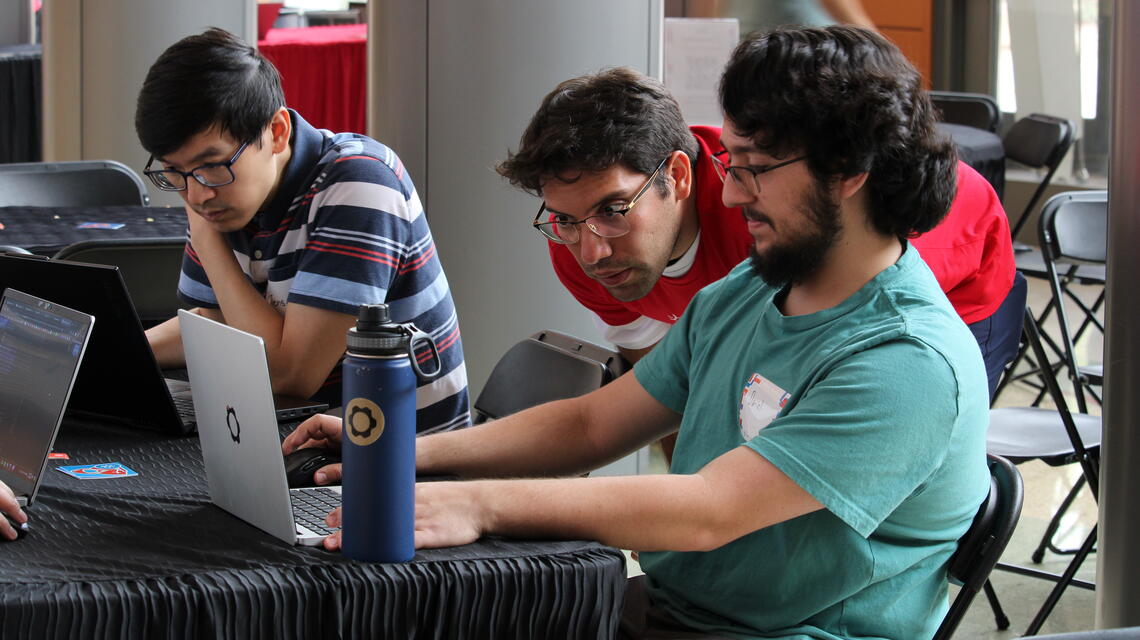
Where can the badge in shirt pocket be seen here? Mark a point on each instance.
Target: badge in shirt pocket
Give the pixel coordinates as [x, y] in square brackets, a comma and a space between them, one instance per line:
[760, 402]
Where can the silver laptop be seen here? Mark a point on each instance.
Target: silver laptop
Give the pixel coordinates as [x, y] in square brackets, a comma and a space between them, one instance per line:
[241, 445]
[41, 346]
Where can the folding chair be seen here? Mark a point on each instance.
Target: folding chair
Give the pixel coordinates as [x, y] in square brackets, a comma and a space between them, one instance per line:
[971, 109]
[983, 543]
[85, 183]
[546, 366]
[150, 268]
[1057, 437]
[1072, 232]
[1037, 141]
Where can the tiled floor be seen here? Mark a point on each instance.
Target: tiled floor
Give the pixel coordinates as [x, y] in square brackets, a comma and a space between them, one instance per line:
[1045, 488]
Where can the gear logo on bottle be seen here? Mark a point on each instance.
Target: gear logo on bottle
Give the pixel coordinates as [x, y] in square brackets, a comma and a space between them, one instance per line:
[365, 421]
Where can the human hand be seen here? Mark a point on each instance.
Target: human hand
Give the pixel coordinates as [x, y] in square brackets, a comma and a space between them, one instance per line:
[11, 508]
[318, 431]
[321, 430]
[447, 515]
[203, 236]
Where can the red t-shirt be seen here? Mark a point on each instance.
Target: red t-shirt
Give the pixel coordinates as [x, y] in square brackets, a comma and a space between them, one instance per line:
[723, 243]
[970, 251]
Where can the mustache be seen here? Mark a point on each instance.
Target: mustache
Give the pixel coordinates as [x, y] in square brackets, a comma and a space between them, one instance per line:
[753, 215]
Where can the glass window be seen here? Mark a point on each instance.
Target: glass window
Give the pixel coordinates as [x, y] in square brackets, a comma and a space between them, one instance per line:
[1053, 58]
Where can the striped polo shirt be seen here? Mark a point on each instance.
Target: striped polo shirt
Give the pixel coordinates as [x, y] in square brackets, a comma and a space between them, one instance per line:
[346, 228]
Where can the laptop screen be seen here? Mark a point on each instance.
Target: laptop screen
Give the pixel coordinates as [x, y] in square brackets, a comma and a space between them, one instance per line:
[41, 344]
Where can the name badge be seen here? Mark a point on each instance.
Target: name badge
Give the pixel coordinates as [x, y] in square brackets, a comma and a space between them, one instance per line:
[760, 402]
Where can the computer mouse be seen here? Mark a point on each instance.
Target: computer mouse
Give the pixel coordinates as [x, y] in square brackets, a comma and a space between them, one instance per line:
[303, 463]
[21, 529]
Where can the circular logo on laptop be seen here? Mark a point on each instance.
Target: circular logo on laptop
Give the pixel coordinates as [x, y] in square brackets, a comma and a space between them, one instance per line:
[233, 424]
[365, 421]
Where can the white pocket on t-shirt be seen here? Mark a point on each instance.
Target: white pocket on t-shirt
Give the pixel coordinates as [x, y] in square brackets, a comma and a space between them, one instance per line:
[760, 402]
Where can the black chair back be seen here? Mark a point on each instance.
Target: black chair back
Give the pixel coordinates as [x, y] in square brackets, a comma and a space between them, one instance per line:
[971, 109]
[86, 183]
[544, 367]
[1073, 233]
[1074, 227]
[982, 545]
[150, 268]
[1038, 141]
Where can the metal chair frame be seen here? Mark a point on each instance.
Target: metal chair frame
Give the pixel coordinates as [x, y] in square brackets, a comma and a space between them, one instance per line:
[1087, 455]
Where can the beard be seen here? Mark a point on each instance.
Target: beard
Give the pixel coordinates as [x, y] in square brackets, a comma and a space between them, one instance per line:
[803, 254]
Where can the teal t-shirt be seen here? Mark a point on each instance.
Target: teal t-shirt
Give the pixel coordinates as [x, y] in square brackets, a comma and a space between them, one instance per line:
[876, 407]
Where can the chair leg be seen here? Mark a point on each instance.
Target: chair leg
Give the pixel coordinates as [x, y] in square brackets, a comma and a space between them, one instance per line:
[1055, 523]
[1000, 618]
[1066, 578]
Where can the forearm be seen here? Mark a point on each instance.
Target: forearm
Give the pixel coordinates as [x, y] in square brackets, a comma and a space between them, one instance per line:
[849, 12]
[645, 513]
[166, 343]
[245, 308]
[735, 494]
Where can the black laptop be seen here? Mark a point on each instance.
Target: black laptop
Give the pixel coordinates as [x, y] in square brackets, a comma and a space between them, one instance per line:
[119, 379]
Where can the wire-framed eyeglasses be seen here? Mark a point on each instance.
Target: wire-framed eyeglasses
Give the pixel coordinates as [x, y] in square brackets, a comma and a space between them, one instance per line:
[608, 222]
[746, 177]
[211, 174]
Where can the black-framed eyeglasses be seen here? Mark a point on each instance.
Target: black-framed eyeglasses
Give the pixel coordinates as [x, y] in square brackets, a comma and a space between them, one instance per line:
[211, 174]
[752, 185]
[608, 222]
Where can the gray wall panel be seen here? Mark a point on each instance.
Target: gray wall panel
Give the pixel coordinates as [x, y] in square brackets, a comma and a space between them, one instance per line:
[488, 66]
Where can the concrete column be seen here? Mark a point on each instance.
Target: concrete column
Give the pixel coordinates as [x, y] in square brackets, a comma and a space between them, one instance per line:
[1118, 561]
[96, 54]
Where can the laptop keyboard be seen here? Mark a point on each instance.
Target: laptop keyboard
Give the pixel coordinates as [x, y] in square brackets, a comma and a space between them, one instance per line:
[310, 506]
[185, 407]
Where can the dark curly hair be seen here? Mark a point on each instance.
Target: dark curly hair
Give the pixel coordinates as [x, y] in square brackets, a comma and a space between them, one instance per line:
[594, 122]
[205, 80]
[850, 101]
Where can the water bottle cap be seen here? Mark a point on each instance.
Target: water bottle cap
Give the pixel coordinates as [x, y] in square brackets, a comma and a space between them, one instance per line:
[375, 333]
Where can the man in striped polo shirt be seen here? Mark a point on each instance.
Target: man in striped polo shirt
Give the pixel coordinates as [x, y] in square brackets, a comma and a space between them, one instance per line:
[291, 228]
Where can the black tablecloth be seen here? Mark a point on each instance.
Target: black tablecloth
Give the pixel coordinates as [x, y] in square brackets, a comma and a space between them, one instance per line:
[150, 556]
[980, 149]
[45, 230]
[20, 103]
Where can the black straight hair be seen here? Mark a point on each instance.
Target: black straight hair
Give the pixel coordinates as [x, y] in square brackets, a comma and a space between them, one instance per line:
[213, 79]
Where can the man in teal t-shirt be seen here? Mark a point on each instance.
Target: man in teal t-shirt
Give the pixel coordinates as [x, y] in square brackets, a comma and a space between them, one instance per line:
[872, 407]
[830, 405]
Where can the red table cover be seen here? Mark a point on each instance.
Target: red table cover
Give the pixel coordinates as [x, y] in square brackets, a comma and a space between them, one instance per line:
[323, 71]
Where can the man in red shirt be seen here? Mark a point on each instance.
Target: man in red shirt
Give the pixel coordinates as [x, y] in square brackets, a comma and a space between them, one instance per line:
[635, 224]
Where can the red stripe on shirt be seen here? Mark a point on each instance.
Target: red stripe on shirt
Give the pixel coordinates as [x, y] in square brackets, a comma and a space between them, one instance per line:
[383, 259]
[419, 262]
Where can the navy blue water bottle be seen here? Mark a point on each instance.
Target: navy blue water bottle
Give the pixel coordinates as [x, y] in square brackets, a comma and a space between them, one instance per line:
[379, 439]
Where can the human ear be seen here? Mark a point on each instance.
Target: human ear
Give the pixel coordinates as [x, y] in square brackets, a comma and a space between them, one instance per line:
[681, 171]
[280, 130]
[851, 185]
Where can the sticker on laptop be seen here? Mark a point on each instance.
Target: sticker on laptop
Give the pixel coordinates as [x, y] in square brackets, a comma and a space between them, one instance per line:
[100, 225]
[760, 402]
[99, 471]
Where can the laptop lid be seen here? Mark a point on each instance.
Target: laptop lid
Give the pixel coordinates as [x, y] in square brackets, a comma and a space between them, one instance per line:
[241, 446]
[120, 378]
[41, 346]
